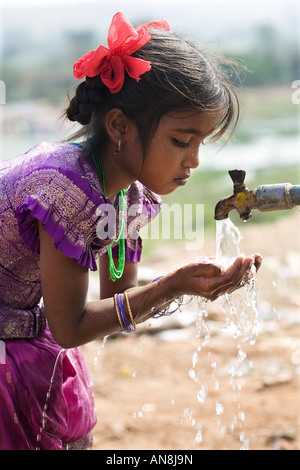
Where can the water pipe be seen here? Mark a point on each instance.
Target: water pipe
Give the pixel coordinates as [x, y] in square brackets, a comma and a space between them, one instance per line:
[266, 198]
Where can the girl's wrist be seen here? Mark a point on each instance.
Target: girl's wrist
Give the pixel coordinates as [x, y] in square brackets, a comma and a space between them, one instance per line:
[172, 285]
[153, 298]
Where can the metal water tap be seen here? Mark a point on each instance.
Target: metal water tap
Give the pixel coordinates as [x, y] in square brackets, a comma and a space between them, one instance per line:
[242, 199]
[270, 197]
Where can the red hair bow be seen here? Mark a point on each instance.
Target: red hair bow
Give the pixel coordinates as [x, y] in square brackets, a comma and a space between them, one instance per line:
[123, 39]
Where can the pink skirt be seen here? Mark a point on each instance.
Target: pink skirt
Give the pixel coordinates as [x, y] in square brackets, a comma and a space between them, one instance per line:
[37, 412]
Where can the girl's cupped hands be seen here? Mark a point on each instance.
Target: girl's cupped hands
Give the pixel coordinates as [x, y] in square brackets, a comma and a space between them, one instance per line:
[210, 280]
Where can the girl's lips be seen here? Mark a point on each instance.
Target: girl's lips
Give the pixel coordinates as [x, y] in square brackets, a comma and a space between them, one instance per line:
[181, 181]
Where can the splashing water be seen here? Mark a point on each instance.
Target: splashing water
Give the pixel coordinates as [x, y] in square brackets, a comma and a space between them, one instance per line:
[228, 238]
[44, 414]
[240, 306]
[242, 322]
[99, 352]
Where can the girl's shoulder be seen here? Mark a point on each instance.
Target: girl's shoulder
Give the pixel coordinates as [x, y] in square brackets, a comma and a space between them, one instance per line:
[141, 195]
[55, 154]
[54, 188]
[53, 159]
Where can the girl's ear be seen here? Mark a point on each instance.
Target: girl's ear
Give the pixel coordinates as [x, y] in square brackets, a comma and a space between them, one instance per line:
[117, 125]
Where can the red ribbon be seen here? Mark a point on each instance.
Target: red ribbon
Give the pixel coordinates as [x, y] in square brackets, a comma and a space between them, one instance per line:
[123, 39]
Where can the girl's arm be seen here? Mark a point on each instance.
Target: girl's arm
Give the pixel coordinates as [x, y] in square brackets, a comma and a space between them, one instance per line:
[74, 321]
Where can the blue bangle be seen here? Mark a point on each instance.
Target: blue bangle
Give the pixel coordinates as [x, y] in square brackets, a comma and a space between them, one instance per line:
[166, 312]
[157, 279]
[125, 324]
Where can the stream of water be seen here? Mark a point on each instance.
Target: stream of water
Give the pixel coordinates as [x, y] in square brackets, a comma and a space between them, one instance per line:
[240, 306]
[242, 322]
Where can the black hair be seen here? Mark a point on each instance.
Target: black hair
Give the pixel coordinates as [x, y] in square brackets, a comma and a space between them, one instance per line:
[183, 77]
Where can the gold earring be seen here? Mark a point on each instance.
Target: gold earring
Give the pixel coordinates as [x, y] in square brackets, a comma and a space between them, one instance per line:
[119, 147]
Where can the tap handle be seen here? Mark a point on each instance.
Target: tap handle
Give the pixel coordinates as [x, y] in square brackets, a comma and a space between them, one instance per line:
[237, 176]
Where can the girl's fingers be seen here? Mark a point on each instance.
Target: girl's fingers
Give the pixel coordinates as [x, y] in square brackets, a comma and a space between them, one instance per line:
[235, 277]
[258, 261]
[212, 280]
[231, 276]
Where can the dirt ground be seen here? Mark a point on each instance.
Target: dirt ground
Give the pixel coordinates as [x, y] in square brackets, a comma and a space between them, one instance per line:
[145, 397]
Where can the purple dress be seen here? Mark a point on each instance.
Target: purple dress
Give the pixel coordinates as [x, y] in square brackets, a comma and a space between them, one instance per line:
[58, 185]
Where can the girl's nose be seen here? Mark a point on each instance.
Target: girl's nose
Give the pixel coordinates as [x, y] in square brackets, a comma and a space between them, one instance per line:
[192, 160]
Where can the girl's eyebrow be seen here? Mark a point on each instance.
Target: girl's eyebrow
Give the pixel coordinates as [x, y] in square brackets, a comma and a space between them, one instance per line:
[190, 130]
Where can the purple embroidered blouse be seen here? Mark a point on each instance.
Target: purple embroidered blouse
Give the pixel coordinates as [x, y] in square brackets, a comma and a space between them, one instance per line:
[58, 185]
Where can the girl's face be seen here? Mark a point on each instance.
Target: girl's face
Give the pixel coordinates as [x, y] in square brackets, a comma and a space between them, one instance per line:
[174, 148]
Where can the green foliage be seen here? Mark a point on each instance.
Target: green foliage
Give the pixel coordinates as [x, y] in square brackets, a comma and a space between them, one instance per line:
[42, 68]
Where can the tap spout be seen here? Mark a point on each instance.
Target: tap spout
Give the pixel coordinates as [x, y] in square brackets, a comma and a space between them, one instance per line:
[242, 200]
[266, 198]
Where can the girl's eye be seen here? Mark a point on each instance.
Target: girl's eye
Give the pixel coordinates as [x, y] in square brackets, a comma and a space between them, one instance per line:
[180, 144]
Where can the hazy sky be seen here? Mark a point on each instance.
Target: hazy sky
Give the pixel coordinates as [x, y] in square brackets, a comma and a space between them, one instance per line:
[30, 3]
[212, 19]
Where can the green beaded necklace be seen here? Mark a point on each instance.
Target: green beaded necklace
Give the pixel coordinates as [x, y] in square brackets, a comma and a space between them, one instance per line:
[114, 272]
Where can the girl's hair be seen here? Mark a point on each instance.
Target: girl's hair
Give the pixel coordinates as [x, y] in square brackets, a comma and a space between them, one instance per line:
[182, 77]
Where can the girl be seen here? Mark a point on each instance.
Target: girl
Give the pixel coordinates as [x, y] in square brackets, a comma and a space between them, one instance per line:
[146, 104]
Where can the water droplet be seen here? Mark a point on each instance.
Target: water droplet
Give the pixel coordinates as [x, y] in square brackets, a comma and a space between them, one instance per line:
[195, 358]
[198, 438]
[193, 375]
[187, 413]
[202, 393]
[219, 408]
[241, 355]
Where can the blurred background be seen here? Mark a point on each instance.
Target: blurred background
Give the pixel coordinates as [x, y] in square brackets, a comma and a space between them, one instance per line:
[40, 41]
